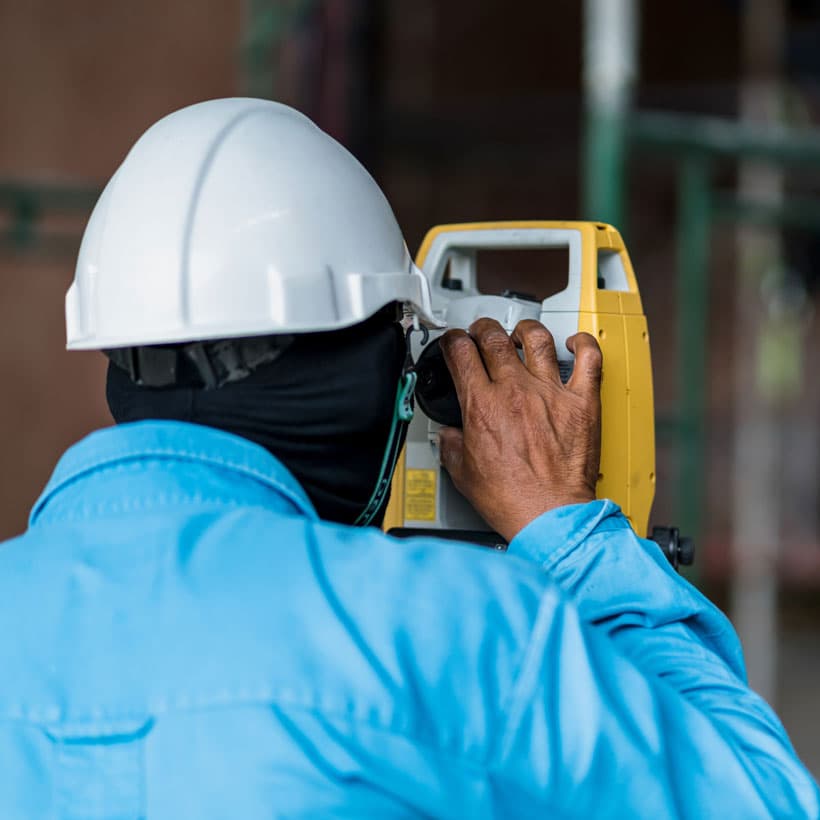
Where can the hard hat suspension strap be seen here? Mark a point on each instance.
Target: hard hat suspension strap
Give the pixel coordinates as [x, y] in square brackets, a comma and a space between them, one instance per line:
[208, 364]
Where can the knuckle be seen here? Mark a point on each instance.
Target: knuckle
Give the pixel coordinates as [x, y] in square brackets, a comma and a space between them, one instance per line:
[517, 399]
[592, 358]
[453, 339]
[541, 331]
[537, 340]
[544, 344]
[460, 345]
[595, 366]
[596, 356]
[448, 445]
[445, 457]
[529, 327]
[457, 348]
[484, 325]
[533, 329]
[495, 340]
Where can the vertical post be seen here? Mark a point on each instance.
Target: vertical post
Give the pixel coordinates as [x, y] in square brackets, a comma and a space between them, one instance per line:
[693, 241]
[610, 65]
[756, 507]
[266, 25]
[259, 30]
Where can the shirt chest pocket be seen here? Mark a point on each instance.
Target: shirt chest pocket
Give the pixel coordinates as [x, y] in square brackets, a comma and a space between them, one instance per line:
[100, 769]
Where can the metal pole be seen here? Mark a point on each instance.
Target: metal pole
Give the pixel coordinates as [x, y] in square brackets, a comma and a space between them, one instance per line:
[693, 241]
[257, 46]
[266, 25]
[756, 507]
[610, 67]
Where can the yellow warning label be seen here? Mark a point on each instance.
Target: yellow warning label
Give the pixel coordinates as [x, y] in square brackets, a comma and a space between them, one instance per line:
[420, 495]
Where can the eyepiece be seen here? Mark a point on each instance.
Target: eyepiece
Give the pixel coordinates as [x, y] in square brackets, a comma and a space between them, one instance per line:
[435, 391]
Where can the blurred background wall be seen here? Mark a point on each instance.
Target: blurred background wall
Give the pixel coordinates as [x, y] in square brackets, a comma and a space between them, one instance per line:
[490, 110]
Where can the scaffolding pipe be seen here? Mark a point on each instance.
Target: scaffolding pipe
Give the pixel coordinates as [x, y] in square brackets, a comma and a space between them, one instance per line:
[610, 68]
[756, 460]
[693, 246]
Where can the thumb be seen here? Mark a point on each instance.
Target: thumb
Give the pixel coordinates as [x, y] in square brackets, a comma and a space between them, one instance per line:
[451, 450]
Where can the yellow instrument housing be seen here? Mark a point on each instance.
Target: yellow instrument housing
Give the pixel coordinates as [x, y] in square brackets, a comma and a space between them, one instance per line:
[616, 319]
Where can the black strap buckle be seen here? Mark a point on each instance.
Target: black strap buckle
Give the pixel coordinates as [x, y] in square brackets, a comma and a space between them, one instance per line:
[147, 366]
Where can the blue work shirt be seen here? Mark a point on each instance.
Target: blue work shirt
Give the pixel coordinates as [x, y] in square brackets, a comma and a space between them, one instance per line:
[182, 637]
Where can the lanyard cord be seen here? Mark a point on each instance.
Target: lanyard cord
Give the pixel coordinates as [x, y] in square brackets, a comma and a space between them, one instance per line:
[402, 416]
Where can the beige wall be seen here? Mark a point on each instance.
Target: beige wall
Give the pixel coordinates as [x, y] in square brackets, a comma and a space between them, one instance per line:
[82, 77]
[80, 80]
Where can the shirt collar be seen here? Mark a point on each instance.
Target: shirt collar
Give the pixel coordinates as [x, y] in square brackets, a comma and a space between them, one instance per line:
[176, 441]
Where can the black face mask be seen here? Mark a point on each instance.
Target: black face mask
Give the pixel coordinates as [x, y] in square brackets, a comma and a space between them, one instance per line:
[324, 409]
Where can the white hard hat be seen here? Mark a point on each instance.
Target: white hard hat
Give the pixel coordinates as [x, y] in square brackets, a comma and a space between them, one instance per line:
[237, 217]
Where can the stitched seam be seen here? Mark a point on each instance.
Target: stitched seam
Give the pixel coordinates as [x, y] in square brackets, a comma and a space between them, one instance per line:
[265, 698]
[158, 503]
[171, 452]
[581, 535]
[95, 465]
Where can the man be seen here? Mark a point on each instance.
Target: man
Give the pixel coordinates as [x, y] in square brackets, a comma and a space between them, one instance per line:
[192, 627]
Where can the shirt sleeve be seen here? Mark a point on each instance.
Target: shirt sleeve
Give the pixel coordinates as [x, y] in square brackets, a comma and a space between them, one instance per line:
[632, 699]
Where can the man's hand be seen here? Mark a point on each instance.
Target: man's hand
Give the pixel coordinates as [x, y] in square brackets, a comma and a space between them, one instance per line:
[529, 443]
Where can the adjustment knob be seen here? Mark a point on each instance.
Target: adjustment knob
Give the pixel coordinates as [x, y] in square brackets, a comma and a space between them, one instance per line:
[686, 551]
[676, 549]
